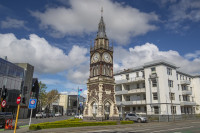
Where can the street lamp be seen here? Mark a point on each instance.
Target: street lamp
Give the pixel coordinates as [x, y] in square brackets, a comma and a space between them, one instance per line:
[121, 106]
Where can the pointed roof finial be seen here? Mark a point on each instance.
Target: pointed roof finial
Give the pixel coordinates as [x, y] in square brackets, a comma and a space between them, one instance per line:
[102, 11]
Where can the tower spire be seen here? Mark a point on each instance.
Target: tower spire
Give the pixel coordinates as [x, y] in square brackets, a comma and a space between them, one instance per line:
[102, 11]
[102, 28]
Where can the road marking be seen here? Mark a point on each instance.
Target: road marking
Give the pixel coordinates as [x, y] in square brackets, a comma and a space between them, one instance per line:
[195, 122]
[171, 129]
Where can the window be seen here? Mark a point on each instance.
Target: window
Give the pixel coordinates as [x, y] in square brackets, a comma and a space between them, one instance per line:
[138, 97]
[145, 109]
[179, 97]
[137, 74]
[155, 96]
[180, 77]
[133, 108]
[143, 85]
[172, 96]
[153, 70]
[170, 83]
[143, 74]
[178, 87]
[154, 83]
[127, 98]
[177, 76]
[173, 109]
[139, 108]
[190, 88]
[144, 96]
[156, 110]
[128, 87]
[189, 79]
[169, 71]
[138, 86]
[127, 76]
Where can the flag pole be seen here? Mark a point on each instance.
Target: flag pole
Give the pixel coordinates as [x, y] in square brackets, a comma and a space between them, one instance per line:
[77, 101]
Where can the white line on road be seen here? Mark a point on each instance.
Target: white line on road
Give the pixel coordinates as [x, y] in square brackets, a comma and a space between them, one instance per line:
[171, 129]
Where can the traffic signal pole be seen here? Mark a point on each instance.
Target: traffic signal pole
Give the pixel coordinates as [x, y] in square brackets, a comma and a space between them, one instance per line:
[18, 107]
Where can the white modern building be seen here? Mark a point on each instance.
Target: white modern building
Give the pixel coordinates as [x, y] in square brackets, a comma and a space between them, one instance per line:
[157, 88]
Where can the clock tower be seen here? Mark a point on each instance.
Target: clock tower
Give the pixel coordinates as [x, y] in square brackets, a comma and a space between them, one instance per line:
[101, 102]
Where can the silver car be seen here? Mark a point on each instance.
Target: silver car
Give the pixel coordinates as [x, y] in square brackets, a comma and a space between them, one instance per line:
[135, 117]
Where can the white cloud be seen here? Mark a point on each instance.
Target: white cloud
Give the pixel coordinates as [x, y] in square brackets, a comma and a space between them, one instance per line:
[122, 22]
[13, 23]
[79, 75]
[51, 81]
[180, 12]
[139, 55]
[39, 53]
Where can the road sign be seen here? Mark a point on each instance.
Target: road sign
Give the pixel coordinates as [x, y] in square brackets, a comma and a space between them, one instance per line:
[3, 103]
[32, 103]
[18, 100]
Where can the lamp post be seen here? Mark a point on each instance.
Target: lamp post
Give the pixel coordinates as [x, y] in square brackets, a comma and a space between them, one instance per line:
[121, 106]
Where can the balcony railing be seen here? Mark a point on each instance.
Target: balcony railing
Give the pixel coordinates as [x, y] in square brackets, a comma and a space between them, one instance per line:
[139, 102]
[185, 82]
[187, 103]
[129, 80]
[141, 90]
[153, 75]
[121, 92]
[186, 92]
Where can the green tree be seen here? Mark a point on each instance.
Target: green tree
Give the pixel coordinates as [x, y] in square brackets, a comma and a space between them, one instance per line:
[42, 94]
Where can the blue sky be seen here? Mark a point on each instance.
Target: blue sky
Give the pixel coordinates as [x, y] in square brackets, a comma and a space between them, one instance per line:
[55, 36]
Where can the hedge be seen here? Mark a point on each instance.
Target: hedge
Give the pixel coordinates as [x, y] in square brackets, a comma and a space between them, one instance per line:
[126, 122]
[69, 123]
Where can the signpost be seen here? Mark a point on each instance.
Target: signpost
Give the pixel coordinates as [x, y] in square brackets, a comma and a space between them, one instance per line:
[3, 103]
[32, 105]
[18, 107]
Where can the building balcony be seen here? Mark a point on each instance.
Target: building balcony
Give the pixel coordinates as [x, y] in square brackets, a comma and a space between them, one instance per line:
[141, 90]
[121, 92]
[136, 79]
[139, 102]
[153, 75]
[187, 103]
[185, 82]
[186, 92]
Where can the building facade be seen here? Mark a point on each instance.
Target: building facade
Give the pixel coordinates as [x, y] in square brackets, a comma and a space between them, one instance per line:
[69, 103]
[157, 88]
[101, 103]
[26, 90]
[11, 78]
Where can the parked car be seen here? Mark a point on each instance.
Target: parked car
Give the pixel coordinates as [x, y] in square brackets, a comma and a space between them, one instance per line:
[135, 117]
[50, 115]
[41, 115]
[38, 115]
[79, 116]
[57, 114]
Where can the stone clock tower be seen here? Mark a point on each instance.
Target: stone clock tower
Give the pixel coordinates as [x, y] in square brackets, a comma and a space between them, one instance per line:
[101, 103]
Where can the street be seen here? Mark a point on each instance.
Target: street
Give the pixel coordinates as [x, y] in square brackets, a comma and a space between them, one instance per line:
[189, 126]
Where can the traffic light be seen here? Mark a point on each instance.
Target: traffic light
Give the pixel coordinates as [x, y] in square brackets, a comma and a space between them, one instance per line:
[23, 100]
[4, 93]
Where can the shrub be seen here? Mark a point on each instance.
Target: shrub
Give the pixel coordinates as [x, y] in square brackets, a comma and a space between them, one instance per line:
[126, 122]
[69, 123]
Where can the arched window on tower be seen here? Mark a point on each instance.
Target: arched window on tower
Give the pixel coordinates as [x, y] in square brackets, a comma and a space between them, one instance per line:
[104, 70]
[97, 69]
[108, 71]
[94, 71]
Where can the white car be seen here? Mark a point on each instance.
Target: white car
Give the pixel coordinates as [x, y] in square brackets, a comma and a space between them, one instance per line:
[41, 115]
[79, 116]
[57, 114]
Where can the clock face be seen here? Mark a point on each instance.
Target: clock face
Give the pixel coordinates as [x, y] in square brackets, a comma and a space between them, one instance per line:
[107, 58]
[95, 57]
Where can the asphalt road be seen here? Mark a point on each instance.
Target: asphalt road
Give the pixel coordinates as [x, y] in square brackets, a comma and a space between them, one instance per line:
[154, 127]
[189, 126]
